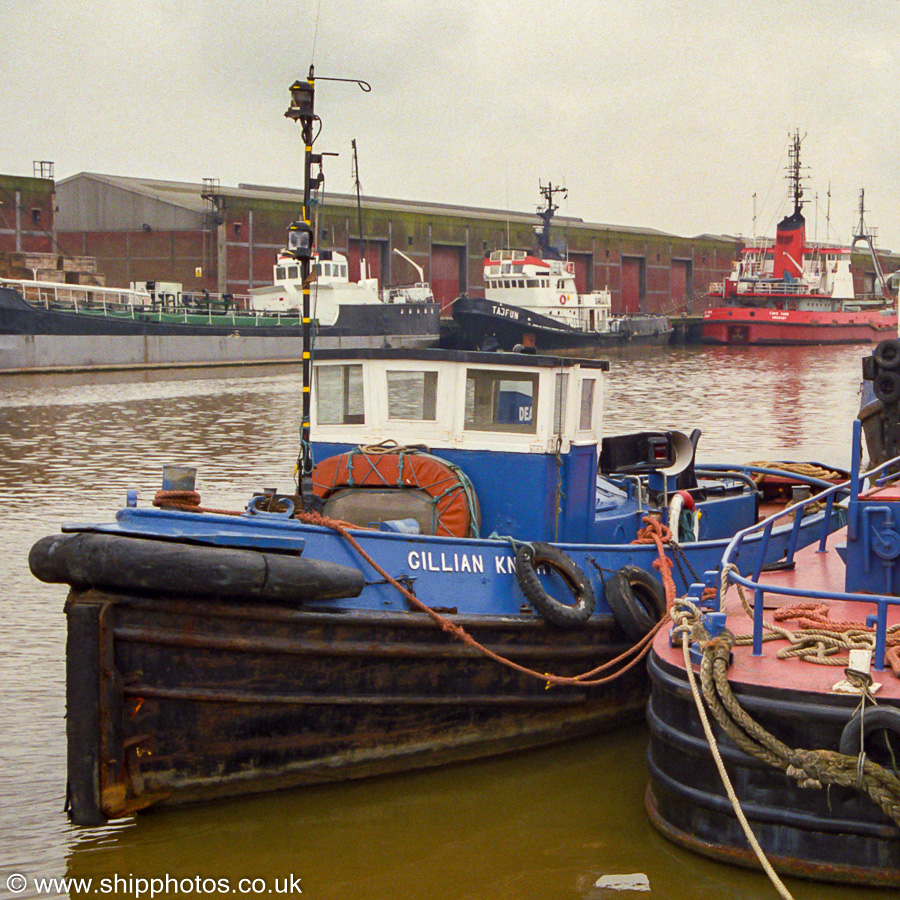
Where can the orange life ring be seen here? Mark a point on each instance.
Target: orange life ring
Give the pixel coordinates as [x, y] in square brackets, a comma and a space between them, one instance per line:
[792, 304]
[456, 505]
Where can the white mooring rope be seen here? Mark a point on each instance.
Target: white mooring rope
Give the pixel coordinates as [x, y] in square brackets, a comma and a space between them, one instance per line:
[726, 781]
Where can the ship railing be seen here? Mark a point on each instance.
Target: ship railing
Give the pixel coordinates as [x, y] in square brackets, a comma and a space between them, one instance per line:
[828, 496]
[97, 300]
[55, 294]
[775, 288]
[419, 292]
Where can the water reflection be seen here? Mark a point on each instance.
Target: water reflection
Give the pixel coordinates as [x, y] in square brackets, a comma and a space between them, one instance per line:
[544, 824]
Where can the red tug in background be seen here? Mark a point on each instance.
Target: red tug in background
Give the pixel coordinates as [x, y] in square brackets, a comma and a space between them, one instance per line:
[792, 292]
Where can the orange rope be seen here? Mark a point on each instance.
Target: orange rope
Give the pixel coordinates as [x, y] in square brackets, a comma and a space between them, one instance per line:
[189, 501]
[653, 533]
[587, 679]
[815, 616]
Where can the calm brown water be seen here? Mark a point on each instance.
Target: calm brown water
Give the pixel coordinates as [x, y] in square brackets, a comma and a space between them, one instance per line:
[540, 825]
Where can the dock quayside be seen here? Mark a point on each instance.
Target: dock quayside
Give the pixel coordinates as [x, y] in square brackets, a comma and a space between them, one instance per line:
[465, 566]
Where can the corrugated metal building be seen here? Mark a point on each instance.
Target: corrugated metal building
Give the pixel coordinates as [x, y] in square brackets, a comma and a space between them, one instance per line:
[226, 239]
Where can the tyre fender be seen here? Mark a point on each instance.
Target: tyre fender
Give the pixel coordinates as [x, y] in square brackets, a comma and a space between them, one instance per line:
[878, 718]
[637, 600]
[566, 615]
[887, 354]
[886, 386]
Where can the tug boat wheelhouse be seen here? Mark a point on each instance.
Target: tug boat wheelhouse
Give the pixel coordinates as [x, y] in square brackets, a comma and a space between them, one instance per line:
[792, 292]
[531, 299]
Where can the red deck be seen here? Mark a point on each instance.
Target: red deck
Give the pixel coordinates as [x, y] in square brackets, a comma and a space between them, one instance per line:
[815, 571]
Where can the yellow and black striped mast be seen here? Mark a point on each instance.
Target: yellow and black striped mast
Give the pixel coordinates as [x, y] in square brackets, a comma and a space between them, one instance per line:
[300, 246]
[301, 242]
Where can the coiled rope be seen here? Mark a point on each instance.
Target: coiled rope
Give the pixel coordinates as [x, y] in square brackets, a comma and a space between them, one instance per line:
[810, 470]
[818, 639]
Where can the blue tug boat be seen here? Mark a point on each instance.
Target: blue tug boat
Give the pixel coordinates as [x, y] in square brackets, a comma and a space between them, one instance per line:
[466, 567]
[468, 592]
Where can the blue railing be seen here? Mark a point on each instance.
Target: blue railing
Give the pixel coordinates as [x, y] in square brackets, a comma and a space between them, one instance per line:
[853, 486]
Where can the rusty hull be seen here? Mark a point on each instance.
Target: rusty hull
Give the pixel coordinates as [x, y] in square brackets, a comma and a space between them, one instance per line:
[174, 700]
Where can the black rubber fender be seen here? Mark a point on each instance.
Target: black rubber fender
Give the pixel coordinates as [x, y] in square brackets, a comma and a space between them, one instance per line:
[528, 557]
[637, 600]
[886, 386]
[887, 354]
[144, 565]
[877, 718]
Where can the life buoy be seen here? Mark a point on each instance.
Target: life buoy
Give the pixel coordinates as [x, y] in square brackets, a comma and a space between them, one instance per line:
[792, 304]
[528, 557]
[877, 718]
[562, 299]
[456, 506]
[637, 600]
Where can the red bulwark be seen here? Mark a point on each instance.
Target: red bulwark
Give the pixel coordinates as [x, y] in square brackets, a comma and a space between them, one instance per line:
[887, 494]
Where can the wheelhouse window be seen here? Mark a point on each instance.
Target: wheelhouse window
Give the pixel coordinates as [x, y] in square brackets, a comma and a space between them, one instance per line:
[339, 395]
[559, 402]
[279, 273]
[293, 272]
[586, 415]
[412, 395]
[501, 401]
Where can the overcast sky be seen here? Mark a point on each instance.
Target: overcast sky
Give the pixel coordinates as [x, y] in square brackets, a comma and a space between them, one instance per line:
[667, 115]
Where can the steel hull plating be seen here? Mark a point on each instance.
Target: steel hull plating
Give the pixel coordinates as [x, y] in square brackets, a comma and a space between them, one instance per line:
[179, 698]
[33, 338]
[736, 325]
[199, 700]
[484, 321]
[829, 835]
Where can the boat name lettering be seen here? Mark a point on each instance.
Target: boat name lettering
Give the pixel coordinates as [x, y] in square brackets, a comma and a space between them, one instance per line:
[445, 561]
[505, 311]
[441, 561]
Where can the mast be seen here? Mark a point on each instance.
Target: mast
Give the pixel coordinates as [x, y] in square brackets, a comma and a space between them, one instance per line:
[362, 244]
[790, 239]
[867, 235]
[794, 176]
[300, 246]
[545, 215]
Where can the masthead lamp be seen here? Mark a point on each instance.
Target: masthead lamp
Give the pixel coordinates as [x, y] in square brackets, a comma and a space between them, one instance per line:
[300, 240]
[301, 101]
